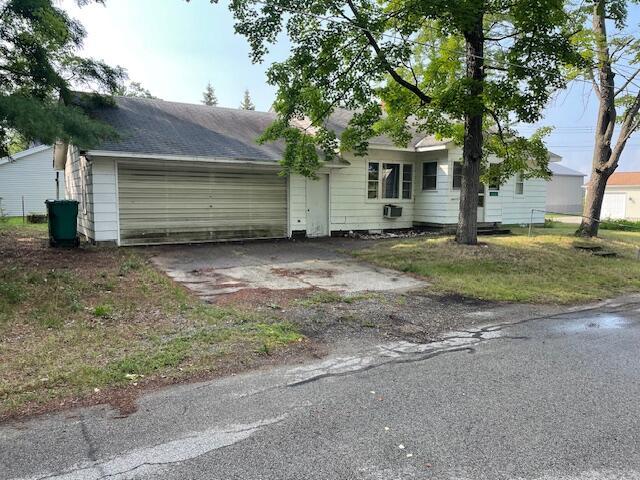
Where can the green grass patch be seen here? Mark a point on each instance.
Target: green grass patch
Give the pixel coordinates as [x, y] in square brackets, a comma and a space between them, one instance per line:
[543, 268]
[75, 320]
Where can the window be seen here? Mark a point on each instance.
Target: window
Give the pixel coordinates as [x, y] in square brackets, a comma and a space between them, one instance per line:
[373, 177]
[429, 175]
[390, 180]
[494, 178]
[520, 184]
[407, 181]
[457, 175]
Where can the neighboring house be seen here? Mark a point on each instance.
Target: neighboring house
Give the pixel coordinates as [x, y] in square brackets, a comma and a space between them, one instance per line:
[565, 191]
[191, 173]
[28, 175]
[622, 196]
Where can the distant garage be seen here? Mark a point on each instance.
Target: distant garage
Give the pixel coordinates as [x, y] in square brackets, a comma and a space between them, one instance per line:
[199, 203]
[622, 197]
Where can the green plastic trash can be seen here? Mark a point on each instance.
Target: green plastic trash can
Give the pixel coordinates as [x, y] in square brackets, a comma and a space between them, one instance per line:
[63, 223]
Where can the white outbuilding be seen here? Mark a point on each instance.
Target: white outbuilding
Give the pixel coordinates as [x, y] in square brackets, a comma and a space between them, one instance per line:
[565, 192]
[27, 178]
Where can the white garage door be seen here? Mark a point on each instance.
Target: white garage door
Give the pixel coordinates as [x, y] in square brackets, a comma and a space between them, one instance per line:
[199, 204]
[613, 205]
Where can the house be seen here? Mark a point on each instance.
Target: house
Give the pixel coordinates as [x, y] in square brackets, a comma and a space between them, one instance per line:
[27, 176]
[565, 191]
[622, 197]
[193, 173]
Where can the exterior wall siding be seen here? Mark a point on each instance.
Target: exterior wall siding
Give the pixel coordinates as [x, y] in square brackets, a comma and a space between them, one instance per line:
[350, 209]
[31, 176]
[78, 186]
[565, 194]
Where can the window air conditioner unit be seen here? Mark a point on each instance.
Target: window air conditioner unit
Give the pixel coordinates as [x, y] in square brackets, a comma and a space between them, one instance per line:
[392, 211]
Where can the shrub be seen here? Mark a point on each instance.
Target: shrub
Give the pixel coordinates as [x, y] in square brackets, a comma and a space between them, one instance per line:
[627, 225]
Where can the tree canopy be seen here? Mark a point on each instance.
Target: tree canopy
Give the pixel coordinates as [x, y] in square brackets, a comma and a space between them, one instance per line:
[39, 68]
[133, 89]
[410, 56]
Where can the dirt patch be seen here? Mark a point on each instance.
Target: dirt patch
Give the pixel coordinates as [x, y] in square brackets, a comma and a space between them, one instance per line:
[298, 272]
[263, 297]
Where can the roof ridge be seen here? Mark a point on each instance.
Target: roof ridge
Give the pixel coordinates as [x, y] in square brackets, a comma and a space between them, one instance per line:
[198, 105]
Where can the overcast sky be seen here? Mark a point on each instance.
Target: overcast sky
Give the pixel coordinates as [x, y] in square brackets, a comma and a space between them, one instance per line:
[174, 48]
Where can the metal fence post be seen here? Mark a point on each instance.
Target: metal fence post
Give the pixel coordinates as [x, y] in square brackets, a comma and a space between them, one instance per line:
[531, 222]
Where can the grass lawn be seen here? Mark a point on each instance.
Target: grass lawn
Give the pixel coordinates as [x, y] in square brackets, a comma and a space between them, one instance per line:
[543, 268]
[79, 325]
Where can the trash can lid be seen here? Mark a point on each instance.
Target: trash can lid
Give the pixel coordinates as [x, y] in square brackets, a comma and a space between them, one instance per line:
[60, 201]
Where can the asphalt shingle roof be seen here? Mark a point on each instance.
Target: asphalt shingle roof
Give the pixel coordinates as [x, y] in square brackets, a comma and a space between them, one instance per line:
[157, 127]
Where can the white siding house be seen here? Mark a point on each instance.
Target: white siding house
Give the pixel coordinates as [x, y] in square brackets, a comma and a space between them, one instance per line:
[192, 173]
[565, 192]
[28, 175]
[622, 197]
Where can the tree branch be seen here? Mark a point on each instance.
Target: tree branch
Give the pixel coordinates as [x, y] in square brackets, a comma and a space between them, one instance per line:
[627, 82]
[424, 98]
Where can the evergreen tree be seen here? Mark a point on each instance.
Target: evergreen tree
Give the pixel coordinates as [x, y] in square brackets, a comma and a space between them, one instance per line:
[40, 68]
[209, 96]
[246, 103]
[133, 89]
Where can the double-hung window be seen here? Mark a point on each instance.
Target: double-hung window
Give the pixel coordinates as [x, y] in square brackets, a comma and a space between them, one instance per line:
[429, 175]
[389, 180]
[520, 184]
[407, 181]
[457, 175]
[373, 179]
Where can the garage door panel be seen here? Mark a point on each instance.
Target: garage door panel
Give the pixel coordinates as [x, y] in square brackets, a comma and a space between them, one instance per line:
[613, 206]
[199, 205]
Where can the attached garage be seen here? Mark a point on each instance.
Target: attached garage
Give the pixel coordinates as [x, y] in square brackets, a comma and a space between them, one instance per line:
[199, 203]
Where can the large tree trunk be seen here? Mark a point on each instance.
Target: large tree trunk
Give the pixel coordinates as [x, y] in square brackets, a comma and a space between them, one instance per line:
[467, 231]
[602, 167]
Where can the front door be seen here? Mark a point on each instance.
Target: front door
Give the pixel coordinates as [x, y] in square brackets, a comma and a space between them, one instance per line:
[318, 206]
[481, 202]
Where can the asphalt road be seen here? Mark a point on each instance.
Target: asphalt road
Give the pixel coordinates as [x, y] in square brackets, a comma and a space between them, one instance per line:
[551, 398]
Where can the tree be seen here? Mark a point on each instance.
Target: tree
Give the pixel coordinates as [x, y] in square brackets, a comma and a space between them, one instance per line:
[246, 103]
[38, 69]
[209, 96]
[133, 89]
[460, 69]
[609, 57]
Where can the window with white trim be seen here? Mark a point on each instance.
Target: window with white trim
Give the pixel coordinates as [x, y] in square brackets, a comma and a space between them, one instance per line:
[520, 184]
[494, 178]
[429, 175]
[407, 181]
[457, 175]
[389, 180]
[373, 178]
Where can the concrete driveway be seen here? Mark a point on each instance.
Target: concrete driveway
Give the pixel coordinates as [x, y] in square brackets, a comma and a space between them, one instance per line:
[214, 270]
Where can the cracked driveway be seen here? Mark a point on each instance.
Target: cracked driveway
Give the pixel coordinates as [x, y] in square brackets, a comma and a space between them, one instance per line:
[211, 270]
[553, 397]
